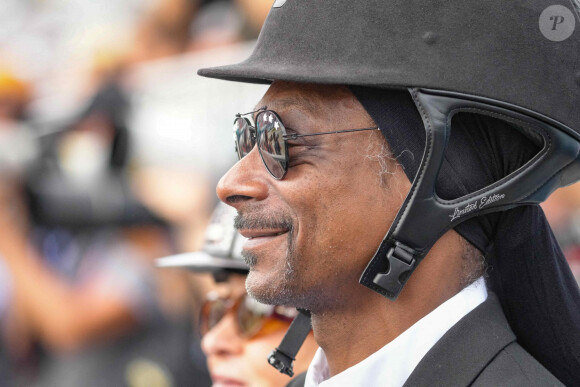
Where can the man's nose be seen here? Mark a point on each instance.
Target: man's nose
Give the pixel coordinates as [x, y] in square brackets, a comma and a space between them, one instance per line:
[223, 339]
[247, 180]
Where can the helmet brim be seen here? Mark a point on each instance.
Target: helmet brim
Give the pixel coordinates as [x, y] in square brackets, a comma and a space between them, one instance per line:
[201, 262]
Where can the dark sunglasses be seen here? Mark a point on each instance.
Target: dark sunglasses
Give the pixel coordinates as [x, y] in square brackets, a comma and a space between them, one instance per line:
[252, 317]
[270, 135]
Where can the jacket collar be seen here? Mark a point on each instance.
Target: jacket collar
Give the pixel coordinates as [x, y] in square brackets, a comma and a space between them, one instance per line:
[465, 350]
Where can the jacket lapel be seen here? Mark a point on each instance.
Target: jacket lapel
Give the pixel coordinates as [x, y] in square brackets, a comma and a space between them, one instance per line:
[464, 351]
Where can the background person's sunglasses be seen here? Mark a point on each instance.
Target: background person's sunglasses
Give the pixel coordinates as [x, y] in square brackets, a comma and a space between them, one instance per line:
[251, 316]
[270, 135]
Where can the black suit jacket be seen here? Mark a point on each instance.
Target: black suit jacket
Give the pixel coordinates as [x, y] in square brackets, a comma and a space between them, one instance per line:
[480, 350]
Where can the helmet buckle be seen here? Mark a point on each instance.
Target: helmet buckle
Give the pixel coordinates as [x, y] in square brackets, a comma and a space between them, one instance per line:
[401, 261]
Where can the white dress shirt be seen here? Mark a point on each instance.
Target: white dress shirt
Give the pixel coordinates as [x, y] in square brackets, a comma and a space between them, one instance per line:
[393, 364]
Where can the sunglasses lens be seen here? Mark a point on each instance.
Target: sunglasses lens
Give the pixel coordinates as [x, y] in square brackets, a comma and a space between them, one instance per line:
[270, 132]
[251, 315]
[242, 137]
[212, 312]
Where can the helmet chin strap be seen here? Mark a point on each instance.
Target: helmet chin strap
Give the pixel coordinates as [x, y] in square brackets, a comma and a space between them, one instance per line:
[282, 358]
[424, 217]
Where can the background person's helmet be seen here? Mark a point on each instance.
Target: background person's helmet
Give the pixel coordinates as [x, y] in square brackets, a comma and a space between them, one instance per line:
[221, 251]
[514, 60]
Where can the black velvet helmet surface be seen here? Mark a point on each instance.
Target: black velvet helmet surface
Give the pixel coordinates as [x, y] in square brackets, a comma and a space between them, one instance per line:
[526, 53]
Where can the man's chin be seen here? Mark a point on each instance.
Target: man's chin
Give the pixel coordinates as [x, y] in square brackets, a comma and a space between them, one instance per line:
[268, 288]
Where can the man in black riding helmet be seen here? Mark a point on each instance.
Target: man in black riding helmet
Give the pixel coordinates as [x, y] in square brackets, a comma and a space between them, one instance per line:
[414, 142]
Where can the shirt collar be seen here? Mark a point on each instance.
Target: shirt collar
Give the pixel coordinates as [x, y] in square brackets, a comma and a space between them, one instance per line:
[392, 364]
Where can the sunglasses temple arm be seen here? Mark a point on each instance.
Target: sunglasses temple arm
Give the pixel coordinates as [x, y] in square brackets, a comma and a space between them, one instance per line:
[282, 358]
[295, 136]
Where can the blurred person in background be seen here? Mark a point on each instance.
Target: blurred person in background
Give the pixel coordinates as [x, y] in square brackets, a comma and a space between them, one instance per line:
[81, 271]
[14, 135]
[238, 332]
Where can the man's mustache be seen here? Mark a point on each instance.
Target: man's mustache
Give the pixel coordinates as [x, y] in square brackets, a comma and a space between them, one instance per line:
[263, 221]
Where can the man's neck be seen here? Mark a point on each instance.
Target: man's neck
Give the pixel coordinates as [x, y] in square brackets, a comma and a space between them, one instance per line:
[356, 330]
[360, 322]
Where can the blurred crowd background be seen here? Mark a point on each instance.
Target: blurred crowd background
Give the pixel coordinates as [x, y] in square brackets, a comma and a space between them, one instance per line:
[110, 150]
